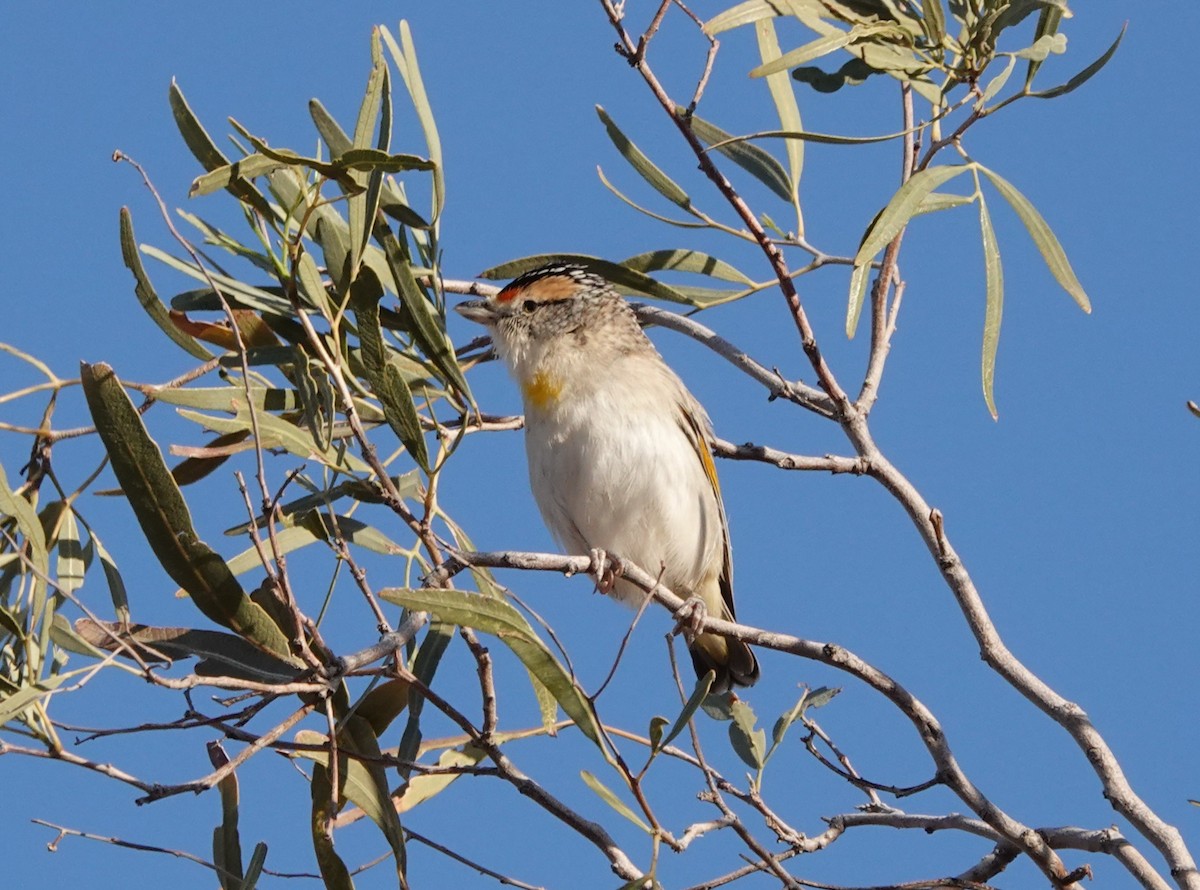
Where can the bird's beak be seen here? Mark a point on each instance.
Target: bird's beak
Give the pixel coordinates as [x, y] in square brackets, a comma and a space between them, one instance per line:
[478, 311]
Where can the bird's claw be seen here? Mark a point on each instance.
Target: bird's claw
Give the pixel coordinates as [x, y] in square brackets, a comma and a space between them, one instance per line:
[606, 574]
[689, 618]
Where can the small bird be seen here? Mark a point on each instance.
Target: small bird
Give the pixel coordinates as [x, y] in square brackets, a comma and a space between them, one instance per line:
[619, 451]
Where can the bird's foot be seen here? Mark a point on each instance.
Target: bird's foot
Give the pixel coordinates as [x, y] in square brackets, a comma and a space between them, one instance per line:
[689, 618]
[605, 569]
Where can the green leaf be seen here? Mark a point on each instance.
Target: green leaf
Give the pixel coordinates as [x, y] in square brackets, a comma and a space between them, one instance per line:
[786, 109]
[12, 705]
[334, 136]
[112, 576]
[495, 616]
[383, 703]
[361, 208]
[254, 869]
[362, 782]
[423, 787]
[1083, 76]
[682, 260]
[1047, 244]
[657, 725]
[146, 295]
[821, 696]
[69, 568]
[1043, 47]
[385, 380]
[758, 163]
[220, 654]
[164, 518]
[860, 278]
[239, 294]
[429, 330]
[226, 175]
[621, 276]
[815, 49]
[405, 57]
[749, 743]
[275, 432]
[742, 14]
[695, 700]
[934, 18]
[994, 273]
[1048, 21]
[996, 84]
[612, 800]
[646, 168]
[227, 844]
[206, 152]
[902, 207]
[334, 873]
[28, 524]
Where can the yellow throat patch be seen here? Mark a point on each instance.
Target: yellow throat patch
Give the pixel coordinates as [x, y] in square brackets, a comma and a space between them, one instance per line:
[542, 391]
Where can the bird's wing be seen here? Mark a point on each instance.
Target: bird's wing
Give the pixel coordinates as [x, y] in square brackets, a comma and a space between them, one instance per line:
[695, 427]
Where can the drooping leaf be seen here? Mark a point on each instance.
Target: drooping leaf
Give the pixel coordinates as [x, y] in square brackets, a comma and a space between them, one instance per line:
[994, 273]
[496, 617]
[206, 152]
[221, 654]
[69, 567]
[364, 783]
[646, 168]
[1043, 237]
[860, 278]
[749, 742]
[695, 700]
[815, 49]
[610, 798]
[1083, 76]
[164, 517]
[902, 207]
[758, 163]
[681, 260]
[787, 110]
[146, 295]
[227, 844]
[385, 380]
[424, 787]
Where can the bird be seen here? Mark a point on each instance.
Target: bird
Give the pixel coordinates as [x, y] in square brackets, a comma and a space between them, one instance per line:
[619, 451]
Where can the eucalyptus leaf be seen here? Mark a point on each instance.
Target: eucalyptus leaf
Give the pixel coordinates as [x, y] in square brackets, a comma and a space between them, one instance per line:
[646, 168]
[165, 519]
[902, 207]
[754, 160]
[994, 274]
[1047, 244]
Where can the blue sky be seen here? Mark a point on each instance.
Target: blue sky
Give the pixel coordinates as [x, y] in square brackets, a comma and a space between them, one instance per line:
[1076, 513]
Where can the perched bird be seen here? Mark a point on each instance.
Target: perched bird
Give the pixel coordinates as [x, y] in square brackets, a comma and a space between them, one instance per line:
[619, 451]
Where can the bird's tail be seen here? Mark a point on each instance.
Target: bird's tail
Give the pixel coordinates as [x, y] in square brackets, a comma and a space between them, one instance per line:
[732, 661]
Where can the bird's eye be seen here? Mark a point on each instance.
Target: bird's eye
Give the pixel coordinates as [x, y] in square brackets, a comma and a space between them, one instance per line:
[529, 305]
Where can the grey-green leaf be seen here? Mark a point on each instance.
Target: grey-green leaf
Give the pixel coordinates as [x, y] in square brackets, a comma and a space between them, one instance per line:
[164, 517]
[610, 798]
[495, 616]
[646, 168]
[754, 160]
[1047, 244]
[902, 207]
[994, 273]
[146, 295]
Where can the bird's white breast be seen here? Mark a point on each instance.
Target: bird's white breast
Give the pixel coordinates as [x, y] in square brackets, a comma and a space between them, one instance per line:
[612, 468]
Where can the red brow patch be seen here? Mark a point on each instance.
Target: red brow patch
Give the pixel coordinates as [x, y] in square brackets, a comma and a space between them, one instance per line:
[508, 293]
